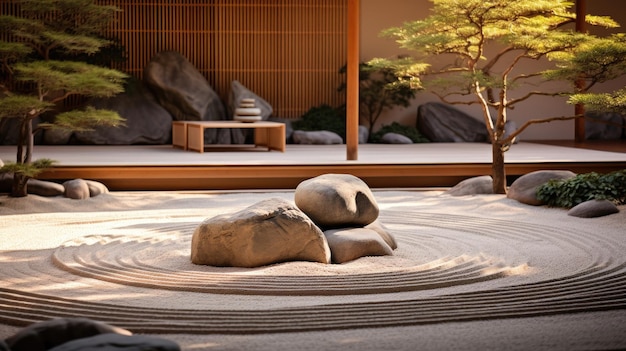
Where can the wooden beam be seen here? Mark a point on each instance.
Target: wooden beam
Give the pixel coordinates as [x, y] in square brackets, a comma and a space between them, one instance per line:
[579, 109]
[352, 92]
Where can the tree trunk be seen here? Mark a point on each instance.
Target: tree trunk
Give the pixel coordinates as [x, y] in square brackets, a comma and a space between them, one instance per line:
[24, 156]
[498, 172]
[19, 186]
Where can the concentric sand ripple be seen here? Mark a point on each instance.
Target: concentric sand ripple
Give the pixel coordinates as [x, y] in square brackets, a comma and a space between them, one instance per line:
[163, 263]
[436, 251]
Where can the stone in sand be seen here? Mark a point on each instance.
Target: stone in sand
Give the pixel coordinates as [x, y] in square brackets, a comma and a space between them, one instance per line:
[96, 188]
[593, 209]
[270, 231]
[44, 188]
[348, 244]
[472, 186]
[316, 137]
[381, 229]
[524, 188]
[76, 189]
[396, 138]
[337, 200]
[48, 334]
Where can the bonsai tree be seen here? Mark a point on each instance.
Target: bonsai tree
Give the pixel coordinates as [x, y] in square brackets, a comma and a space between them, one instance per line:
[379, 90]
[34, 83]
[486, 41]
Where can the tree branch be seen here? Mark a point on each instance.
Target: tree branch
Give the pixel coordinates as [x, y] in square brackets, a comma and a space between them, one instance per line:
[528, 123]
[532, 93]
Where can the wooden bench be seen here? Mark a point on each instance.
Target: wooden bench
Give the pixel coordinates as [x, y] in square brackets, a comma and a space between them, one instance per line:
[189, 135]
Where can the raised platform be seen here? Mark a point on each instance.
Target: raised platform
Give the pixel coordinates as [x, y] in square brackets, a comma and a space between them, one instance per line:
[381, 166]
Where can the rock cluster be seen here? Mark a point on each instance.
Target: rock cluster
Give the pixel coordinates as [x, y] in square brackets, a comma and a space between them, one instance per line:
[247, 111]
[334, 219]
[76, 189]
[524, 190]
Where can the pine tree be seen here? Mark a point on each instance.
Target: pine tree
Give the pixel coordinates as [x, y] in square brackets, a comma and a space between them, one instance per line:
[33, 82]
[488, 40]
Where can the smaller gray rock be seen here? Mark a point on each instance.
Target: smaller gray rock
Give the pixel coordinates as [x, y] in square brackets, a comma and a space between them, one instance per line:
[44, 188]
[337, 201]
[76, 189]
[348, 244]
[524, 188]
[472, 186]
[396, 138]
[384, 233]
[593, 209]
[317, 137]
[96, 188]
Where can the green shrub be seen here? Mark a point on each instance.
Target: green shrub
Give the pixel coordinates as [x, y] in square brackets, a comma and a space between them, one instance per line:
[323, 117]
[584, 187]
[395, 127]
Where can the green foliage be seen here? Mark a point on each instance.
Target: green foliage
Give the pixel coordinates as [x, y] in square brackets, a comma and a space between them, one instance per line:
[380, 89]
[602, 102]
[323, 117]
[72, 77]
[85, 120]
[29, 170]
[45, 29]
[69, 25]
[22, 106]
[596, 60]
[395, 127]
[471, 52]
[584, 187]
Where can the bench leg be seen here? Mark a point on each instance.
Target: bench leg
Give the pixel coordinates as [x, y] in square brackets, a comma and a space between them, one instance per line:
[195, 138]
[179, 135]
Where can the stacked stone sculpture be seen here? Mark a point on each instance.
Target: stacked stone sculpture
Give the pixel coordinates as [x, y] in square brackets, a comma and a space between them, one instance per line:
[247, 111]
[334, 220]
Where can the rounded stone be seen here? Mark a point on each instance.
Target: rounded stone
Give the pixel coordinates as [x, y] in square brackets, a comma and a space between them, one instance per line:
[524, 188]
[337, 200]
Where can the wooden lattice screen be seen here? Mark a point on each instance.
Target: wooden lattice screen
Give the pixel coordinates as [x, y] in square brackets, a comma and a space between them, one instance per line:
[287, 51]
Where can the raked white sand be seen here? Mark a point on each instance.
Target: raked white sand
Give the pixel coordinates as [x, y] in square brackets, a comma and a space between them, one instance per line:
[474, 273]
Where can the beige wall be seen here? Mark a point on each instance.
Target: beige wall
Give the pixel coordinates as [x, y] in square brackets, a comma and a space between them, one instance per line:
[377, 15]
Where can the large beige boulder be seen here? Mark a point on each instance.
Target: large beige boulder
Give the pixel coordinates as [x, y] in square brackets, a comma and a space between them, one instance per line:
[337, 200]
[268, 232]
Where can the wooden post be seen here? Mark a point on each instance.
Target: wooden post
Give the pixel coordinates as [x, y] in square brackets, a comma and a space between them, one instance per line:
[352, 91]
[579, 109]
